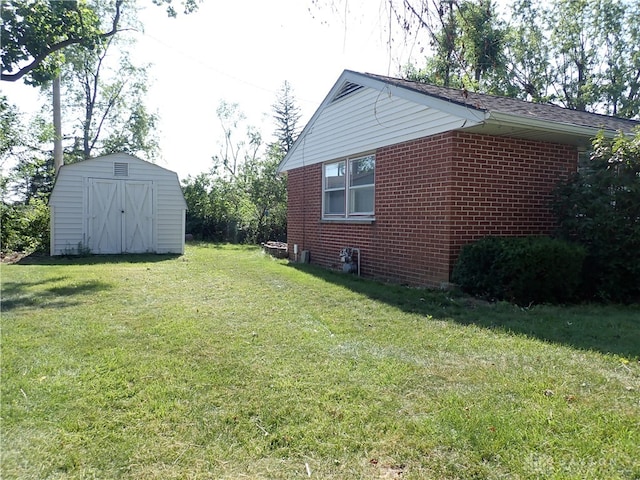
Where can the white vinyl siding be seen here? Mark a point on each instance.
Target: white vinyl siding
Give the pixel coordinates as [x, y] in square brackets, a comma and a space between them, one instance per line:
[370, 118]
[69, 201]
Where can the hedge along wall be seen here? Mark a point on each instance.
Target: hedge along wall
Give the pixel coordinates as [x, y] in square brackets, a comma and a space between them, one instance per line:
[433, 195]
[503, 187]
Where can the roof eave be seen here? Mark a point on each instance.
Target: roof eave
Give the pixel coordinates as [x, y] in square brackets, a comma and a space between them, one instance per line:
[561, 132]
[506, 119]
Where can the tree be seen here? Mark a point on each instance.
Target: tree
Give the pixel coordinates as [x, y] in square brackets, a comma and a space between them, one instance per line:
[212, 213]
[595, 61]
[242, 198]
[10, 128]
[600, 209]
[25, 186]
[528, 54]
[24, 148]
[221, 207]
[234, 152]
[468, 42]
[581, 54]
[577, 50]
[267, 195]
[618, 27]
[439, 67]
[286, 115]
[188, 6]
[35, 33]
[482, 42]
[107, 96]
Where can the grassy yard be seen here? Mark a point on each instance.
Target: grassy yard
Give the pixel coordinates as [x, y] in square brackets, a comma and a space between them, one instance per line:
[225, 364]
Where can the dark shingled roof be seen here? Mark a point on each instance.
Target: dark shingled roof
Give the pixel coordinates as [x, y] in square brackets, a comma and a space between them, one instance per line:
[514, 106]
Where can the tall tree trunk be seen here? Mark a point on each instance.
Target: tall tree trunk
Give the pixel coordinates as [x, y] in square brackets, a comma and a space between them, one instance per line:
[57, 125]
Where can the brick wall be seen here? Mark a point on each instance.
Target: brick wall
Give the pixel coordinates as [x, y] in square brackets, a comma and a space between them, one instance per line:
[433, 195]
[503, 186]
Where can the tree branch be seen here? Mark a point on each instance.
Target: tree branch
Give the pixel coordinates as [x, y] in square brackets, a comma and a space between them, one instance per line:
[37, 61]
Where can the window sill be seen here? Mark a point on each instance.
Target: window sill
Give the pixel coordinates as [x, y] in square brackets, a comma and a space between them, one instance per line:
[352, 220]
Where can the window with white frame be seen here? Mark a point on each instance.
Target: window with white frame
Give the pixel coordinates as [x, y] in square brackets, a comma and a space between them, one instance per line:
[349, 187]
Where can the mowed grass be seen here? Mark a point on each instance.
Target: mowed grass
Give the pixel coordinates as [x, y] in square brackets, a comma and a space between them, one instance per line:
[225, 363]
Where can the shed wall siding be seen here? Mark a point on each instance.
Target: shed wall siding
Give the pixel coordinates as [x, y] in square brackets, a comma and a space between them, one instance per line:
[68, 213]
[69, 222]
[433, 195]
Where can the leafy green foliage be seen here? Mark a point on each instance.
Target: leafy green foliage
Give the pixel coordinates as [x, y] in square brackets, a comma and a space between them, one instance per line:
[106, 93]
[482, 39]
[581, 54]
[528, 54]
[10, 128]
[215, 208]
[26, 183]
[267, 195]
[25, 226]
[248, 208]
[31, 177]
[468, 48]
[188, 6]
[523, 269]
[34, 32]
[600, 208]
[243, 199]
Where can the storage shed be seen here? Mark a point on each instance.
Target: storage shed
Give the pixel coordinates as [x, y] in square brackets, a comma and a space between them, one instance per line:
[115, 204]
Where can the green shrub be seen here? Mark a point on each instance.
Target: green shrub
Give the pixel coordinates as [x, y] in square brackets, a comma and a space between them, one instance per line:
[25, 226]
[521, 269]
[600, 208]
[477, 268]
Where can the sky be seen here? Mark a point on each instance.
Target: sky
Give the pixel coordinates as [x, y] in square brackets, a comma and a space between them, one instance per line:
[242, 51]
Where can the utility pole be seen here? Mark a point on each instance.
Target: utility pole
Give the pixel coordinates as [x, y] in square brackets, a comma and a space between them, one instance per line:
[57, 125]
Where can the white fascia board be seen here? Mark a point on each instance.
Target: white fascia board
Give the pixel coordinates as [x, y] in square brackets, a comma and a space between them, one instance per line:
[508, 120]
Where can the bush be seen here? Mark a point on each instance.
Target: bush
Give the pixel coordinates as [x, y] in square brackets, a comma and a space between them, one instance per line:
[25, 227]
[521, 269]
[600, 209]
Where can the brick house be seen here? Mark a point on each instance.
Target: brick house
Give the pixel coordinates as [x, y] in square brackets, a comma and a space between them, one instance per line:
[405, 174]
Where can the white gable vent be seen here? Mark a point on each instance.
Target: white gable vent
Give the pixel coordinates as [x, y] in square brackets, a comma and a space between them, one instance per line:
[120, 169]
[347, 89]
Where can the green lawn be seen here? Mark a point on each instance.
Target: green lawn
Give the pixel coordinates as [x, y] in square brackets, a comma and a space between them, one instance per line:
[225, 363]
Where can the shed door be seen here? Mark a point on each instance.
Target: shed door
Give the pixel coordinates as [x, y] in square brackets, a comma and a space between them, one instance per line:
[138, 217]
[120, 216]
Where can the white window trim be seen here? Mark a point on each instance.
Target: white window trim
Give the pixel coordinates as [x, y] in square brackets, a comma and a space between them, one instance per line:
[346, 216]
